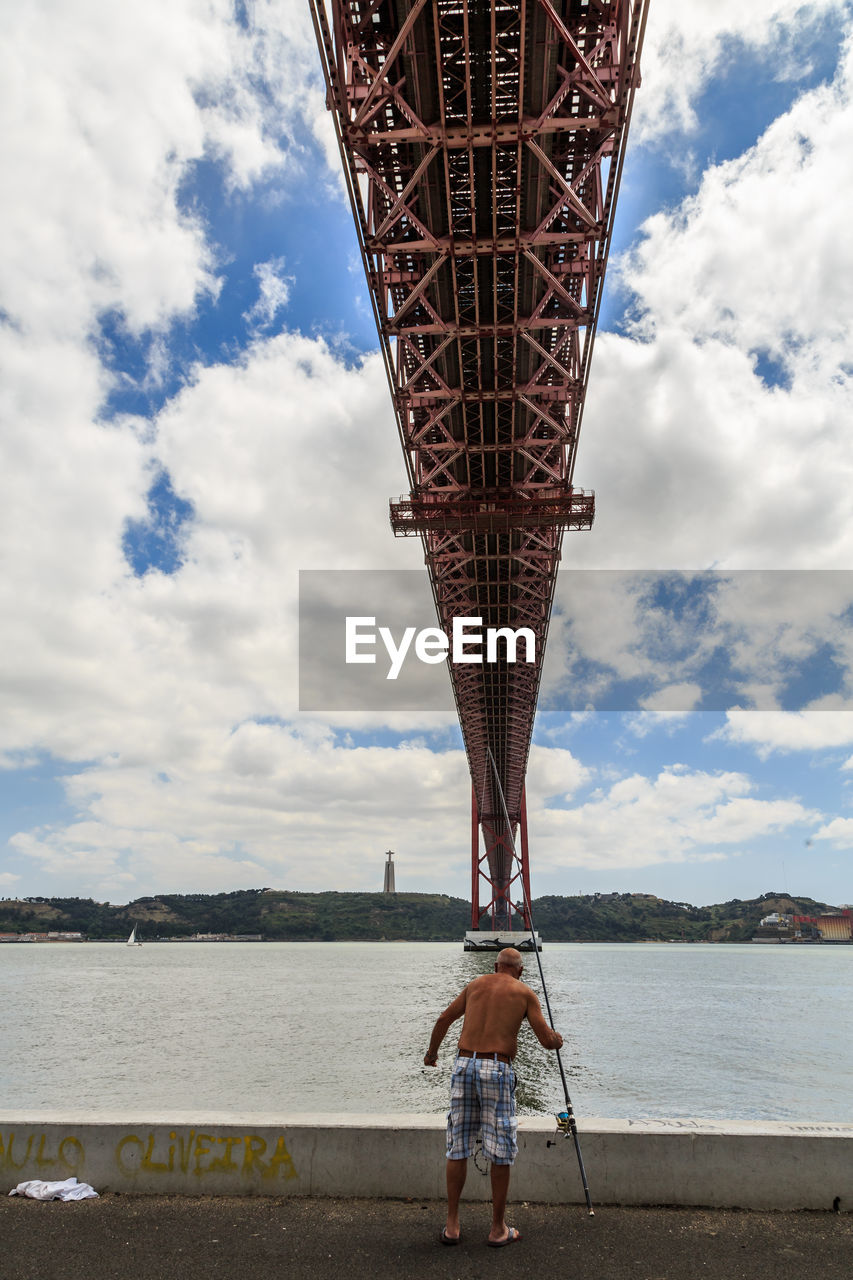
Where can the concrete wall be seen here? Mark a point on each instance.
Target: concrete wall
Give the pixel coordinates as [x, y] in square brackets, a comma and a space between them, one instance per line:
[685, 1162]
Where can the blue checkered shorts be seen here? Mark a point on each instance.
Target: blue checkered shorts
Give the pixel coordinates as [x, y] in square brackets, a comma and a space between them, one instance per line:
[482, 1103]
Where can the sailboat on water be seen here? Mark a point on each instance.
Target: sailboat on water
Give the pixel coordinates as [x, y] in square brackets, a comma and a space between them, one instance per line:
[133, 941]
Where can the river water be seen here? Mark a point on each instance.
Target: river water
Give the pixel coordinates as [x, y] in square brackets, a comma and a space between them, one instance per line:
[652, 1030]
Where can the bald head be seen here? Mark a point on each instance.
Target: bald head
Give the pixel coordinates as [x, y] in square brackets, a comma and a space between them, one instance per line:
[510, 960]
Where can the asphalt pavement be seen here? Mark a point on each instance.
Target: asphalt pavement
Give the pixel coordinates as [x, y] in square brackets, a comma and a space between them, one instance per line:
[122, 1237]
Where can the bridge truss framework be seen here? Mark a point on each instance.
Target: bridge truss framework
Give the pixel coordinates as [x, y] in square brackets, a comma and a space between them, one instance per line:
[483, 143]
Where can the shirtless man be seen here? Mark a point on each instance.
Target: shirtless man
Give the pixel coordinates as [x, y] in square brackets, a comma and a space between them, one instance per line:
[482, 1088]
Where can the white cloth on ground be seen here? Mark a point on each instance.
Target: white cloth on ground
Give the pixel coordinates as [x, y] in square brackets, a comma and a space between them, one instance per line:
[70, 1189]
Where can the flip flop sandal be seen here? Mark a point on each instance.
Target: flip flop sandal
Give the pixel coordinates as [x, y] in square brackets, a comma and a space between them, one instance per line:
[513, 1235]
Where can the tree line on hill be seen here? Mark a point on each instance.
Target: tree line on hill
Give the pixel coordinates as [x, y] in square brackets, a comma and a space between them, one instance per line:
[279, 915]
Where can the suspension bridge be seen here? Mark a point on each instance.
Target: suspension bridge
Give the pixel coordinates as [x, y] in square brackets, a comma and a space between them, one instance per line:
[483, 143]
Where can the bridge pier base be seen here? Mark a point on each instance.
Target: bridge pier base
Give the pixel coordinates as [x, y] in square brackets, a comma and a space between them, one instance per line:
[482, 940]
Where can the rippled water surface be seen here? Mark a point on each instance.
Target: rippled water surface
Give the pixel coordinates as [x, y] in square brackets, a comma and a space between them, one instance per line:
[739, 1032]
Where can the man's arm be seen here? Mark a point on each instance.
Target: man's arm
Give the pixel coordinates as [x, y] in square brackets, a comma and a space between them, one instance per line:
[547, 1036]
[443, 1023]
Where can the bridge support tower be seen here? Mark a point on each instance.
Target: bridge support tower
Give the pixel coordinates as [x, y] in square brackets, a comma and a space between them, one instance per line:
[498, 920]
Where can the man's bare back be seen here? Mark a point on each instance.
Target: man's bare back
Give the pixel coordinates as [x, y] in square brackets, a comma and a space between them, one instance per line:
[494, 1007]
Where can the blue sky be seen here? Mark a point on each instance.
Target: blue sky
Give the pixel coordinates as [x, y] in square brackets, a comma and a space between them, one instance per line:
[194, 410]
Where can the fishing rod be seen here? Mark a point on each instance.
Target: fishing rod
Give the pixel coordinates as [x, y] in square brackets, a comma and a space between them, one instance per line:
[566, 1120]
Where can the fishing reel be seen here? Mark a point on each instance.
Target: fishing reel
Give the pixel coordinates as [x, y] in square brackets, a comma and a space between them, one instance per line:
[564, 1126]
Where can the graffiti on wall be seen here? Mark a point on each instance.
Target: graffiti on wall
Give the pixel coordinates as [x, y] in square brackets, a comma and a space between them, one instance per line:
[41, 1151]
[201, 1153]
[49, 1154]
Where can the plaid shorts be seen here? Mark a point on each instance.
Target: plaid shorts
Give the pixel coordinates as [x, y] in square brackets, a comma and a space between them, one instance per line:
[482, 1103]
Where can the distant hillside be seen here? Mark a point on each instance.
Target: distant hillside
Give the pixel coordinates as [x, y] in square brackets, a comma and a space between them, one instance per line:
[353, 917]
[640, 917]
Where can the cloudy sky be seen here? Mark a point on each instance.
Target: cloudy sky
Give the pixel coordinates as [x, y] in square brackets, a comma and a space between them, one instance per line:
[193, 411]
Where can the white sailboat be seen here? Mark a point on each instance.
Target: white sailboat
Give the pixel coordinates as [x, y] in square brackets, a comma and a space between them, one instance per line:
[132, 940]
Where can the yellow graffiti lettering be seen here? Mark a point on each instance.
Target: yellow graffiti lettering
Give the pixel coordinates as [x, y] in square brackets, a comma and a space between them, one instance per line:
[152, 1166]
[201, 1150]
[224, 1164]
[11, 1162]
[69, 1152]
[255, 1147]
[281, 1161]
[69, 1147]
[186, 1151]
[126, 1142]
[279, 1164]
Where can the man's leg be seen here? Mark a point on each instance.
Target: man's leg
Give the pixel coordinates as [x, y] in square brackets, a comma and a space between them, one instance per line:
[457, 1171]
[499, 1120]
[500, 1189]
[463, 1123]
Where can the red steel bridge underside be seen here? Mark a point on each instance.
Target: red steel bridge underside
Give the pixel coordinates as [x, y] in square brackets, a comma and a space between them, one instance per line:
[483, 143]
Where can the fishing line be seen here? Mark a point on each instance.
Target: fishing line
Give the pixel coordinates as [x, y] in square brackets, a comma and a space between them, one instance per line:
[566, 1120]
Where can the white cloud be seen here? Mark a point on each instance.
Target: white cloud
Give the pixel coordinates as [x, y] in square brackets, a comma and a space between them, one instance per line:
[105, 107]
[94, 222]
[671, 642]
[839, 831]
[678, 816]
[282, 454]
[770, 731]
[640, 724]
[554, 773]
[273, 292]
[727, 264]
[677, 449]
[103, 663]
[170, 674]
[687, 44]
[696, 462]
[269, 86]
[261, 806]
[673, 697]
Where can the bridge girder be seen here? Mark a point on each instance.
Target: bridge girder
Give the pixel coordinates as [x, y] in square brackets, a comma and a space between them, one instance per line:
[483, 143]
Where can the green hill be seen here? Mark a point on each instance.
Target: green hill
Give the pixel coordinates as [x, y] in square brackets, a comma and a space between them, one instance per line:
[641, 917]
[353, 917]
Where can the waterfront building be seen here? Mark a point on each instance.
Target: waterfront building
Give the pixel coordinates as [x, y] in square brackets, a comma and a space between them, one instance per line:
[836, 927]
